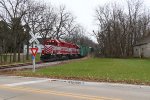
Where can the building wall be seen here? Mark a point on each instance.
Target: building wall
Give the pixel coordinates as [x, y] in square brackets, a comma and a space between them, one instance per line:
[142, 51]
[147, 51]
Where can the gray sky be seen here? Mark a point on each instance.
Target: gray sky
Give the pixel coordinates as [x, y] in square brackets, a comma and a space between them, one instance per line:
[84, 10]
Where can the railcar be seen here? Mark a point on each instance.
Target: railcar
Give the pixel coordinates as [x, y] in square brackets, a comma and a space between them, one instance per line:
[85, 50]
[57, 50]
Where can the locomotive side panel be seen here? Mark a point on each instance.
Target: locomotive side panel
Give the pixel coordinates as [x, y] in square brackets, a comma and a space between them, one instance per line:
[56, 49]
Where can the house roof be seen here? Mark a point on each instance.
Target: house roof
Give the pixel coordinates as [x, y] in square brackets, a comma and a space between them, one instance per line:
[143, 41]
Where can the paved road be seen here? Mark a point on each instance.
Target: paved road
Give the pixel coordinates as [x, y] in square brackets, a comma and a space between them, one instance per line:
[27, 88]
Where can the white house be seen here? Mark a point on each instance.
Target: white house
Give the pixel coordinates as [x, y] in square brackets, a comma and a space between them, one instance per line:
[142, 48]
[39, 46]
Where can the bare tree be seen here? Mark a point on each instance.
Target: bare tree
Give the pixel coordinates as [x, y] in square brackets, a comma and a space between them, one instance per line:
[34, 16]
[63, 16]
[118, 30]
[33, 20]
[47, 25]
[12, 12]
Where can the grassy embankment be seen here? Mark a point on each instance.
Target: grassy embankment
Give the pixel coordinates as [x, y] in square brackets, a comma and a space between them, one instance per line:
[95, 69]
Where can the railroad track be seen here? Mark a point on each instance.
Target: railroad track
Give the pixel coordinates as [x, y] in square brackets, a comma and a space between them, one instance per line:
[17, 65]
[38, 65]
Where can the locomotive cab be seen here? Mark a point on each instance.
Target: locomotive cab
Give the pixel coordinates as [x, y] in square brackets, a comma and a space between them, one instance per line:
[48, 43]
[51, 42]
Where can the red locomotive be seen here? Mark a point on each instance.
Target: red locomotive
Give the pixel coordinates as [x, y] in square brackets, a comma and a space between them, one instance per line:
[57, 49]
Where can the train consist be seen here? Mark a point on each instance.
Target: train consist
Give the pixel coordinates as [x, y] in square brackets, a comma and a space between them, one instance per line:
[57, 50]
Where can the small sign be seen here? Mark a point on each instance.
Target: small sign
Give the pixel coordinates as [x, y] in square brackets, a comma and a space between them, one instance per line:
[34, 51]
[33, 57]
[34, 38]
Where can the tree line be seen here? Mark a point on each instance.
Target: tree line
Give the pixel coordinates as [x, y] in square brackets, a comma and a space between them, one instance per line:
[20, 17]
[120, 27]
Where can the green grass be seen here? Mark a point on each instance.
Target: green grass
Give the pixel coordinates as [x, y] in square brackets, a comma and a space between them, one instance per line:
[104, 69]
[37, 58]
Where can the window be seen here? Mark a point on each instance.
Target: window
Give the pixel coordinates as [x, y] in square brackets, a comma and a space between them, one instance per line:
[136, 49]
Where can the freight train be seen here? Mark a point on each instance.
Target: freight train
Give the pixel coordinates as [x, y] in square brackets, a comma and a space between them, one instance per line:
[58, 50]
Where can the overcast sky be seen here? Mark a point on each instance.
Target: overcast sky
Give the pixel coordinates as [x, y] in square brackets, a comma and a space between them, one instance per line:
[84, 10]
